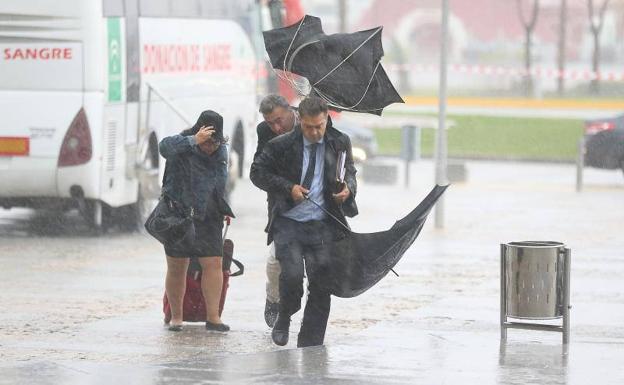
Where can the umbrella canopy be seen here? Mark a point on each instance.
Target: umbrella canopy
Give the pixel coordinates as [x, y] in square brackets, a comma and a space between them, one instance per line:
[343, 68]
[362, 260]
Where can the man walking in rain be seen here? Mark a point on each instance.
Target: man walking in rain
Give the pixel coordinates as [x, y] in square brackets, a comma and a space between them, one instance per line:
[298, 170]
[279, 118]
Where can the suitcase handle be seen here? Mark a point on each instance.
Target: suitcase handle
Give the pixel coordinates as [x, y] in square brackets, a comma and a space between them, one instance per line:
[241, 268]
[227, 220]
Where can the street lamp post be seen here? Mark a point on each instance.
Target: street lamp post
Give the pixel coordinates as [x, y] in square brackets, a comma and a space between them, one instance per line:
[342, 15]
[441, 145]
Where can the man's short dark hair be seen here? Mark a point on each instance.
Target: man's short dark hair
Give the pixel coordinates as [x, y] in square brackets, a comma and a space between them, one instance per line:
[312, 106]
[271, 102]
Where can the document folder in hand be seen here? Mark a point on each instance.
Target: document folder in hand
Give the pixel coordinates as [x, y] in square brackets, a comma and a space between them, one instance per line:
[340, 170]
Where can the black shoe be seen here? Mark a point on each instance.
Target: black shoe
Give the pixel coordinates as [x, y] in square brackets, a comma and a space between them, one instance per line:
[270, 312]
[280, 330]
[217, 327]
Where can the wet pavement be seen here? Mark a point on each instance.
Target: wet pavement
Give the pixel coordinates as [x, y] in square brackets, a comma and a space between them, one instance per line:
[81, 308]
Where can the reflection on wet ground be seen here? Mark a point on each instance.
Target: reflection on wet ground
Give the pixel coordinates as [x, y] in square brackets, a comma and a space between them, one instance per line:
[29, 223]
[543, 361]
[25, 223]
[446, 358]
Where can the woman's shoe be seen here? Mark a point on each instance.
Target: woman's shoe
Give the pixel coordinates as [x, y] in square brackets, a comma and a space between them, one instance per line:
[217, 327]
[175, 328]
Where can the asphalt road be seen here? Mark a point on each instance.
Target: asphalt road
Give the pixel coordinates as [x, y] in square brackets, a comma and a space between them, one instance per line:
[85, 308]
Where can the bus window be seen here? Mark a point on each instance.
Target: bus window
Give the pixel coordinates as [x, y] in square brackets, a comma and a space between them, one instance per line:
[155, 8]
[133, 66]
[113, 8]
[226, 9]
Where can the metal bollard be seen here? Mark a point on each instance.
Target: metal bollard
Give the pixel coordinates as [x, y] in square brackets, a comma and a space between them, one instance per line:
[410, 147]
[580, 164]
[535, 285]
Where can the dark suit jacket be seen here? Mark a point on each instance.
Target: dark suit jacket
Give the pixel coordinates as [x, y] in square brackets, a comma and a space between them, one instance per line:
[279, 166]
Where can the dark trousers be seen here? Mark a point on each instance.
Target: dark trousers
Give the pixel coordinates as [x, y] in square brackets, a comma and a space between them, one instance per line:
[296, 242]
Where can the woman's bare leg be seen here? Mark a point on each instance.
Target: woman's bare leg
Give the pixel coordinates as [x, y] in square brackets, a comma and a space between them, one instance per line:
[175, 286]
[212, 282]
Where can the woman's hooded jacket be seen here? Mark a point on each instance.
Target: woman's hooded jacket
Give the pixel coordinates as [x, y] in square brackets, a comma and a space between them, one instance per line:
[192, 177]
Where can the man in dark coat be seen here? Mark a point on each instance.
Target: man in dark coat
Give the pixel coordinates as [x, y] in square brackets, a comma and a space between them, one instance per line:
[295, 169]
[279, 118]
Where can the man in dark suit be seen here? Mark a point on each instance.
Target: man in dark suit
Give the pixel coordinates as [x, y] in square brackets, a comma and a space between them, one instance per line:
[279, 118]
[295, 169]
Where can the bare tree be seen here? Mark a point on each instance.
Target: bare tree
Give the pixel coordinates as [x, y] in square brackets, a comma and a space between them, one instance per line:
[561, 54]
[529, 26]
[595, 23]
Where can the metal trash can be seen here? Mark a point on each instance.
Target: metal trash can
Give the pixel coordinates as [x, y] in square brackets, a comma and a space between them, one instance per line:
[535, 285]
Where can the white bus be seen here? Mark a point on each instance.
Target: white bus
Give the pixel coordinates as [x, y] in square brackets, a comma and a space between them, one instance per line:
[89, 87]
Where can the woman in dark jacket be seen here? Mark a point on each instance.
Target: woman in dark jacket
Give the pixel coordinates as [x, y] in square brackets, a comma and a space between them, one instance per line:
[195, 178]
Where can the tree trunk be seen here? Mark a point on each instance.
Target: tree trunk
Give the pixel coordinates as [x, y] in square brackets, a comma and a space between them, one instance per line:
[528, 64]
[529, 26]
[594, 86]
[561, 54]
[596, 24]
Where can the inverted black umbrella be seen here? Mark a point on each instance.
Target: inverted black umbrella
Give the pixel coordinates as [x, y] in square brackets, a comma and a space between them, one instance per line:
[344, 69]
[359, 261]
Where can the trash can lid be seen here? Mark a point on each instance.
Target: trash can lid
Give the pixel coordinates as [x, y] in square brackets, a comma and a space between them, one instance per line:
[537, 244]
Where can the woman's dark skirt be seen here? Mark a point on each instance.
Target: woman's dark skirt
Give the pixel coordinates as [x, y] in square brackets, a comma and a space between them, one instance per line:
[208, 241]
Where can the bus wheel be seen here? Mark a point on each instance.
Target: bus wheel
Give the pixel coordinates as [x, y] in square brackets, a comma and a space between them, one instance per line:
[238, 145]
[96, 214]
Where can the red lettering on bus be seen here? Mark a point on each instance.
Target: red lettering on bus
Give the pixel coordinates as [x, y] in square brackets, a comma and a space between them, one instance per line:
[194, 58]
[183, 56]
[163, 59]
[186, 58]
[148, 58]
[44, 53]
[217, 57]
[31, 53]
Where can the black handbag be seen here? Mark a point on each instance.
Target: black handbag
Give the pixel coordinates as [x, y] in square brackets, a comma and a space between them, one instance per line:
[171, 224]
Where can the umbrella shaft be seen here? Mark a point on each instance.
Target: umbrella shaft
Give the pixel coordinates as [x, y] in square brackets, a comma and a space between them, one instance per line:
[326, 212]
[336, 219]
